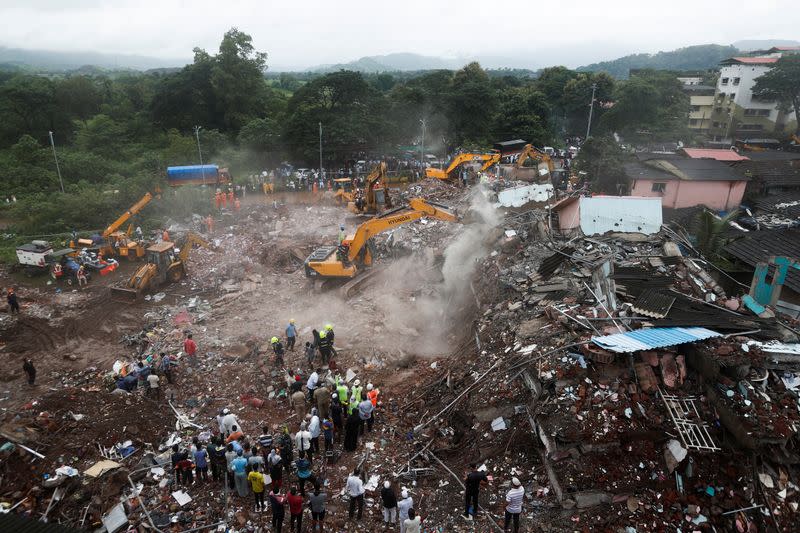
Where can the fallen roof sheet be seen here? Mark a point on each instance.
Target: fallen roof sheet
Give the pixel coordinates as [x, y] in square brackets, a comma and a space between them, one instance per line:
[654, 303]
[550, 264]
[651, 338]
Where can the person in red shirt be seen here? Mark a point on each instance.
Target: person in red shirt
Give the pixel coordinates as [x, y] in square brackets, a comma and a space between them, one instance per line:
[295, 510]
[190, 347]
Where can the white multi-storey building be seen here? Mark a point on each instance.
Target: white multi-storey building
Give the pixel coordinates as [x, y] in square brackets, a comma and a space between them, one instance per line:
[737, 114]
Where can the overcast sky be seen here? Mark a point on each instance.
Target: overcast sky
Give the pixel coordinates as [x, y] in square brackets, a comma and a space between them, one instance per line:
[303, 33]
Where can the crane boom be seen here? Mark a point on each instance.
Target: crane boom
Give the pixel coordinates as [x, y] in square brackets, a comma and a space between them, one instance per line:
[135, 208]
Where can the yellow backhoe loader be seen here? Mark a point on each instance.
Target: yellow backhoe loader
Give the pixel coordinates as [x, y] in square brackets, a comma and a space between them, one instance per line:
[346, 260]
[164, 265]
[487, 161]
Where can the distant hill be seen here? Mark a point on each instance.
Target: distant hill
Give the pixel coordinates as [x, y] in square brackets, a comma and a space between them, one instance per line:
[54, 61]
[393, 63]
[700, 57]
[763, 44]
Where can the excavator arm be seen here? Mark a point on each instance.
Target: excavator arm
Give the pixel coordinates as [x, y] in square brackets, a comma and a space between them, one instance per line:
[493, 159]
[417, 208]
[529, 152]
[135, 208]
[459, 160]
[328, 262]
[191, 240]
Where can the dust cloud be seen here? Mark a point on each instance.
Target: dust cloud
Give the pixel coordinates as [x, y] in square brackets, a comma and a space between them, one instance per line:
[431, 303]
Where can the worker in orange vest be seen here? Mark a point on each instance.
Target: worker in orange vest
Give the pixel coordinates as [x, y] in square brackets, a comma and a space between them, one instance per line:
[224, 199]
[165, 235]
[210, 224]
[230, 197]
[237, 205]
[372, 396]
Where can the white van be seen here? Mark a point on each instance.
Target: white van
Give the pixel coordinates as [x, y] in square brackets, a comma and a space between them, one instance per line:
[549, 150]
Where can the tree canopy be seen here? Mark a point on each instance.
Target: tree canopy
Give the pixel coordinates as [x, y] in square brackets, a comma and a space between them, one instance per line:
[782, 84]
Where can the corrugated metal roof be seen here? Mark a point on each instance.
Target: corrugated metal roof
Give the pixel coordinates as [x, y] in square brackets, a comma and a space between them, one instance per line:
[653, 303]
[651, 338]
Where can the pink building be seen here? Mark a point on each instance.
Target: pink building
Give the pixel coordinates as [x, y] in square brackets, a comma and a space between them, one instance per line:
[684, 182]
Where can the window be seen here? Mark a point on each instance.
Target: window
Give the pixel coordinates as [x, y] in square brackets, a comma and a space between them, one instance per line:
[724, 81]
[757, 112]
[715, 124]
[733, 96]
[736, 81]
[659, 187]
[750, 127]
[694, 122]
[695, 108]
[721, 97]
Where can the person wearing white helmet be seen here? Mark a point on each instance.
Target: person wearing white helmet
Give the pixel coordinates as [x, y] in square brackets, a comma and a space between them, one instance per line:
[229, 421]
[389, 500]
[356, 390]
[514, 499]
[403, 506]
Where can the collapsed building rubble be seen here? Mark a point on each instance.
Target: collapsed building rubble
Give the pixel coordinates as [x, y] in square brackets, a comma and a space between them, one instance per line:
[613, 375]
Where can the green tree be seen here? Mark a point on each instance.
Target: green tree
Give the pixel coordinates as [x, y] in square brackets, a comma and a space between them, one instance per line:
[350, 110]
[101, 135]
[26, 106]
[522, 114]
[602, 159]
[782, 84]
[710, 232]
[472, 106]
[577, 96]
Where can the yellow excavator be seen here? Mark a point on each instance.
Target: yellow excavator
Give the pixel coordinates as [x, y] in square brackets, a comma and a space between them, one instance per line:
[445, 174]
[531, 152]
[371, 199]
[354, 253]
[116, 241]
[164, 265]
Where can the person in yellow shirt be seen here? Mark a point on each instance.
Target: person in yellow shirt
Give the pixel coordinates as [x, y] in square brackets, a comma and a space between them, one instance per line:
[257, 481]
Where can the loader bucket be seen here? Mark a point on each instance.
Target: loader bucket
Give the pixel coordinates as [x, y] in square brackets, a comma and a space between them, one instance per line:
[124, 294]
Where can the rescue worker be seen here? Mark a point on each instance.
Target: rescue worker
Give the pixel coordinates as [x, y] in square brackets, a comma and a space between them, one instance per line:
[165, 235]
[372, 396]
[11, 298]
[322, 397]
[230, 197]
[237, 205]
[356, 391]
[291, 335]
[277, 347]
[341, 391]
[341, 234]
[224, 199]
[139, 233]
[329, 332]
[324, 347]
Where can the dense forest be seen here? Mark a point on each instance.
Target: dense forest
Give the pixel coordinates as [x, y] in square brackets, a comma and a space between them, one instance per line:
[116, 134]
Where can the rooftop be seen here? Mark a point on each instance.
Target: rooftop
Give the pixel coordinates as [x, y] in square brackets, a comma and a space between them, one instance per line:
[758, 246]
[713, 153]
[750, 61]
[780, 173]
[671, 167]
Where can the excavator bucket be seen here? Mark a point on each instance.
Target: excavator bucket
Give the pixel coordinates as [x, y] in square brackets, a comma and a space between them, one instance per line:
[124, 295]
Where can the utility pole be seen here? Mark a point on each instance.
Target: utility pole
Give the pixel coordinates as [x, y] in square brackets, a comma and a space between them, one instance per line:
[200, 153]
[591, 111]
[320, 149]
[58, 169]
[422, 149]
